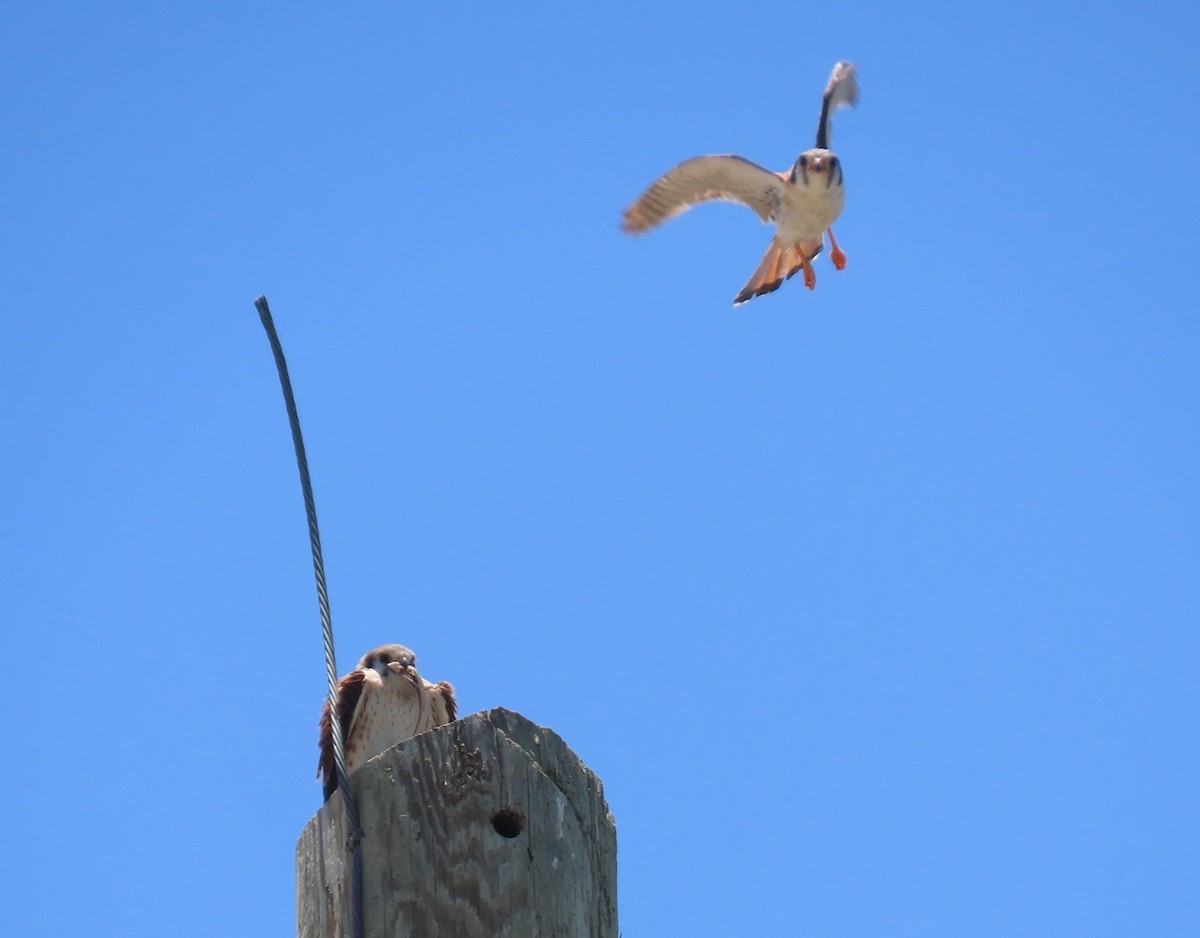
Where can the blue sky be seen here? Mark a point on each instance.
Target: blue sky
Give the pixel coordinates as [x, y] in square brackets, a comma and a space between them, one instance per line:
[875, 607]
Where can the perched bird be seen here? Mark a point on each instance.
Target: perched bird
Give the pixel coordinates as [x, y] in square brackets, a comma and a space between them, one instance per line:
[380, 703]
[803, 203]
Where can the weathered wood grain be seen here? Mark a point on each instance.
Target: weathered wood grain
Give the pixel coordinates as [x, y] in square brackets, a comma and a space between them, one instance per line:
[489, 827]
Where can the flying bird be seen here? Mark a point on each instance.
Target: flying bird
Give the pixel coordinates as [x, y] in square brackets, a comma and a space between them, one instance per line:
[381, 702]
[803, 203]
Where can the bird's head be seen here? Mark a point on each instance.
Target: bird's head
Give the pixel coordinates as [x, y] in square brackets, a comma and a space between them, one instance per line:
[817, 167]
[389, 659]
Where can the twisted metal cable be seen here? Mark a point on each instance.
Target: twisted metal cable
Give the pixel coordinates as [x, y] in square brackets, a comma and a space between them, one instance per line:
[314, 535]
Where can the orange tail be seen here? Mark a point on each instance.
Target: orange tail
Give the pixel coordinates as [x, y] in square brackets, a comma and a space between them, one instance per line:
[777, 265]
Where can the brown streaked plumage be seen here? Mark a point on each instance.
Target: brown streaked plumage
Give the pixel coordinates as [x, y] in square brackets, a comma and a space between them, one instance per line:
[803, 203]
[380, 703]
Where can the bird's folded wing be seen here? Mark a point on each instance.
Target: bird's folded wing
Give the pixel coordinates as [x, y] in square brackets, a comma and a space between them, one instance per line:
[703, 179]
[445, 707]
[349, 693]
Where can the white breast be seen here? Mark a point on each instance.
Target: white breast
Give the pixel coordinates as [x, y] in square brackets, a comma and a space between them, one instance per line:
[391, 710]
[809, 211]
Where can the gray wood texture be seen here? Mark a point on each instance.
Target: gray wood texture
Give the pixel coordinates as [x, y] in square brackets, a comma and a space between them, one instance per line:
[488, 827]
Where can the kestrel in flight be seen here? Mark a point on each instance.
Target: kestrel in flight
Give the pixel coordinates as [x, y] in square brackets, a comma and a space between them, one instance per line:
[803, 203]
[380, 703]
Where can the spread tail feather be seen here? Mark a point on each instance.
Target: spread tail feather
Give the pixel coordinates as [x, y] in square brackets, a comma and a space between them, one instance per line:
[777, 265]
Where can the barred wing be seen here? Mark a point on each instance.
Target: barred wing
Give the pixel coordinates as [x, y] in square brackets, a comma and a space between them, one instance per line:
[350, 690]
[704, 179]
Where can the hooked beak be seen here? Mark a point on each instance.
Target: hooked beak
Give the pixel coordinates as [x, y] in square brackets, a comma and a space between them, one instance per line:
[406, 670]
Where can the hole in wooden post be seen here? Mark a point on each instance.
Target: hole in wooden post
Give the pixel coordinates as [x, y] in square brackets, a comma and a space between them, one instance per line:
[507, 823]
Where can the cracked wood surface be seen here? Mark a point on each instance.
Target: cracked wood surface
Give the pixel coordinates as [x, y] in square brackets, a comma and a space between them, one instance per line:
[488, 827]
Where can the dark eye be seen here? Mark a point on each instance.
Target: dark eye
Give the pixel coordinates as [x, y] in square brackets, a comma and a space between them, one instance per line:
[803, 161]
[833, 162]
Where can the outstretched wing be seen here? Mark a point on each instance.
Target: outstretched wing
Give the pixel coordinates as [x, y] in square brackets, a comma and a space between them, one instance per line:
[841, 91]
[704, 179]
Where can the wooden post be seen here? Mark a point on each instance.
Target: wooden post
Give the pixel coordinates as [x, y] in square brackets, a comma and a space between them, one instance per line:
[488, 827]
